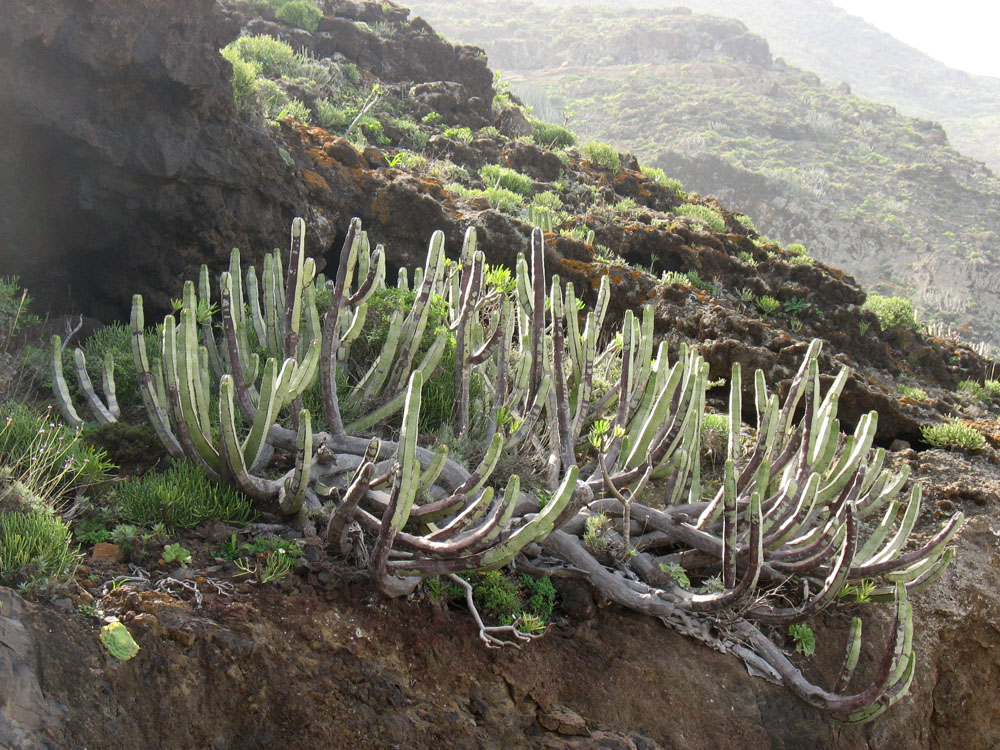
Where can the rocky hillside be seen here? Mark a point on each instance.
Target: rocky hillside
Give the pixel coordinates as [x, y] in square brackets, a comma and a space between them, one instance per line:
[866, 189]
[139, 152]
[819, 36]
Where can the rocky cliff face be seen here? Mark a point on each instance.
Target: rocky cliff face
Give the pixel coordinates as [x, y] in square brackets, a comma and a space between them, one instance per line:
[125, 164]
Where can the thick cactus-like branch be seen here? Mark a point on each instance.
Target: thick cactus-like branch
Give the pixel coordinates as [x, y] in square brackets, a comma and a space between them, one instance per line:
[612, 430]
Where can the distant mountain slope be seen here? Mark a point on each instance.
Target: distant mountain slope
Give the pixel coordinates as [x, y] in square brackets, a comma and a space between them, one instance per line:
[866, 189]
[838, 46]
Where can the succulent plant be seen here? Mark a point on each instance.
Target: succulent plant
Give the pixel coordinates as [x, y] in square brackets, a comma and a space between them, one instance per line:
[605, 422]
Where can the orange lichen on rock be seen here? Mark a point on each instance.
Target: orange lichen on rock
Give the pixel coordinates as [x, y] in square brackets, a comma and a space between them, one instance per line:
[316, 183]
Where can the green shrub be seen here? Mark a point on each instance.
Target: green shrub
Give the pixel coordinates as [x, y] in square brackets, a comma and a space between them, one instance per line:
[504, 200]
[180, 498]
[462, 135]
[892, 311]
[957, 435]
[703, 214]
[796, 248]
[46, 458]
[917, 394]
[35, 550]
[496, 176]
[548, 199]
[115, 339]
[244, 79]
[271, 57]
[302, 14]
[746, 222]
[331, 116]
[661, 178]
[625, 205]
[603, 155]
[551, 136]
[768, 305]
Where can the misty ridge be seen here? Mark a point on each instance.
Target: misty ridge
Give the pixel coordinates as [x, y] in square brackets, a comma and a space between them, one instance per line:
[818, 125]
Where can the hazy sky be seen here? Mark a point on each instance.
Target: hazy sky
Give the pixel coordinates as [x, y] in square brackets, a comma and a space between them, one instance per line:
[960, 33]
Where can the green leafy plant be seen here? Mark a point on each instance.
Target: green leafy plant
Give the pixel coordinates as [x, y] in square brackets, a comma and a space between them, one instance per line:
[594, 536]
[125, 536]
[917, 394]
[956, 435]
[176, 553]
[805, 639]
[677, 573]
[747, 258]
[794, 306]
[746, 222]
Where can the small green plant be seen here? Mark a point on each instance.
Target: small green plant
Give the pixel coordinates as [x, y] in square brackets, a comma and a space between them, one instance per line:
[917, 394]
[794, 305]
[176, 553]
[745, 294]
[125, 536]
[800, 260]
[490, 132]
[747, 258]
[712, 585]
[675, 277]
[463, 135]
[862, 591]
[495, 176]
[746, 222]
[180, 497]
[548, 199]
[90, 531]
[506, 201]
[245, 74]
[35, 550]
[271, 57]
[431, 118]
[863, 326]
[603, 156]
[661, 178]
[625, 205]
[767, 304]
[594, 536]
[954, 435]
[303, 14]
[548, 135]
[805, 639]
[796, 248]
[677, 573]
[892, 312]
[43, 458]
[701, 213]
